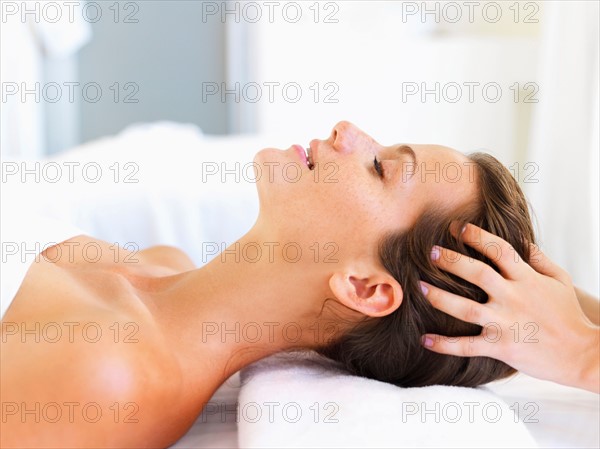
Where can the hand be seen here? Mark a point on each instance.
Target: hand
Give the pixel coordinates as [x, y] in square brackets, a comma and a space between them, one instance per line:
[532, 320]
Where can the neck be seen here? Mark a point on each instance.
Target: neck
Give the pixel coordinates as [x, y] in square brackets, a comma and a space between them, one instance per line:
[250, 301]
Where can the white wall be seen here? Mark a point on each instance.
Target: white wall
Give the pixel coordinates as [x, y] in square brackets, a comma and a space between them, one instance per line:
[370, 55]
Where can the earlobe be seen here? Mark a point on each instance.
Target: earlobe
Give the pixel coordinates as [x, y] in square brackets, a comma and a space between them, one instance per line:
[376, 295]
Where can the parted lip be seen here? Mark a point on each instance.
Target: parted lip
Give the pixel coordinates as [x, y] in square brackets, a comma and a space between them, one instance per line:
[301, 153]
[306, 154]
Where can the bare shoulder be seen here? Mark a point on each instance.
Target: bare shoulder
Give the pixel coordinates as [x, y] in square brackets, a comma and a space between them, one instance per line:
[169, 257]
[164, 256]
[110, 389]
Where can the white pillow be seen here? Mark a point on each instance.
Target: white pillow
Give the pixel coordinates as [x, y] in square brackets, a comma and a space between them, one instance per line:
[298, 400]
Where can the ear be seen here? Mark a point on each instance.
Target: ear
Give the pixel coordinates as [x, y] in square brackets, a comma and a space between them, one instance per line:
[375, 294]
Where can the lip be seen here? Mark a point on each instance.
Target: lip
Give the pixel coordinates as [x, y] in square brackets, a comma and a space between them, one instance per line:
[301, 153]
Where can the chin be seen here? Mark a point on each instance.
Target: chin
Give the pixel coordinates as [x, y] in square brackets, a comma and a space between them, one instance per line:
[266, 175]
[267, 154]
[279, 198]
[270, 156]
[275, 167]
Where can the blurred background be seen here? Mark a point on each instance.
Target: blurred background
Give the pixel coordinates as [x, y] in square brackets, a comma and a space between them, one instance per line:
[517, 79]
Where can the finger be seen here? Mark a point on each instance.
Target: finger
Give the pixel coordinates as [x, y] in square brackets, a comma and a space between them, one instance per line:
[498, 250]
[472, 270]
[542, 264]
[457, 306]
[474, 346]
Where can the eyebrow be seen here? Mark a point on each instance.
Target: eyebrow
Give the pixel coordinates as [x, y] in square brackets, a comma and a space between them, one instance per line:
[405, 149]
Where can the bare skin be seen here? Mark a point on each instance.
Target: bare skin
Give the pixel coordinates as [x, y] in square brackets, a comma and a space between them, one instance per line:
[130, 365]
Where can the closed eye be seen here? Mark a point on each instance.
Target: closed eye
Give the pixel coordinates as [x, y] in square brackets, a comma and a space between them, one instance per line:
[378, 167]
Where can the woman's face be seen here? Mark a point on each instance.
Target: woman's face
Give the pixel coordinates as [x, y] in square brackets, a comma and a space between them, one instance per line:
[348, 201]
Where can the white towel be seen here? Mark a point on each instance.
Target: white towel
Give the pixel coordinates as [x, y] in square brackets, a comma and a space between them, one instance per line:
[298, 400]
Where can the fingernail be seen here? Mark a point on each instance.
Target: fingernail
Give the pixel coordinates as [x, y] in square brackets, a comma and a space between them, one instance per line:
[424, 288]
[464, 228]
[435, 253]
[427, 341]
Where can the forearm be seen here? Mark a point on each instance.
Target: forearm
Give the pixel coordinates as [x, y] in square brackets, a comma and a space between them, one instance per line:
[589, 374]
[590, 306]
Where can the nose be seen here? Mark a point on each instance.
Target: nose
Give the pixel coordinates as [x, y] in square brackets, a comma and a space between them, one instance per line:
[347, 138]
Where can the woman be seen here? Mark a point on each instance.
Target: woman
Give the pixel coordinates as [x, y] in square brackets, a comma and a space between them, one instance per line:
[333, 263]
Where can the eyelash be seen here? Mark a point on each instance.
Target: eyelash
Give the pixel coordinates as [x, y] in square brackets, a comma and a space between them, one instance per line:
[378, 167]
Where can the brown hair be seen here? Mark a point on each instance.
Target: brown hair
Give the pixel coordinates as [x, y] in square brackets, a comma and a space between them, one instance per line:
[389, 348]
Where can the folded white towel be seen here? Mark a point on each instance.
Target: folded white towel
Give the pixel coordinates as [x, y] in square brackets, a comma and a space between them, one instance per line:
[300, 400]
